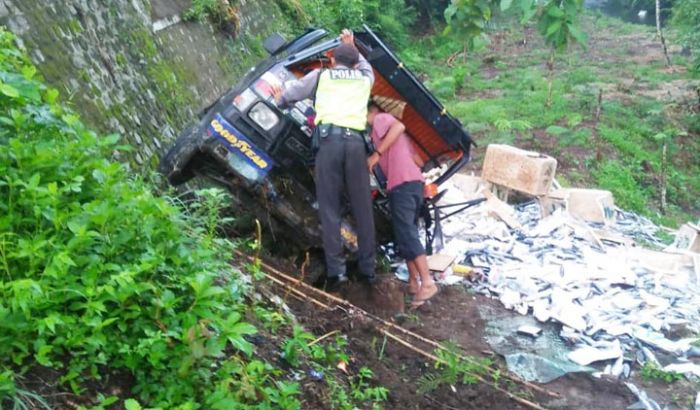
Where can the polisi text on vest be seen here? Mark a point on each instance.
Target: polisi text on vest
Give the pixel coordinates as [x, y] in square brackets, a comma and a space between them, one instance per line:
[346, 74]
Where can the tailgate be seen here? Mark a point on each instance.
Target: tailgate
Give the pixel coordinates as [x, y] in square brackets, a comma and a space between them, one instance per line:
[438, 135]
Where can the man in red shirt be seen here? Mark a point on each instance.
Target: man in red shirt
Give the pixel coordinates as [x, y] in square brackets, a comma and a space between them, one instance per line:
[395, 155]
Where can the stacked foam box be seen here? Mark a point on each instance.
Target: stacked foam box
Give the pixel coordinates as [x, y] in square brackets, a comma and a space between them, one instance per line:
[523, 171]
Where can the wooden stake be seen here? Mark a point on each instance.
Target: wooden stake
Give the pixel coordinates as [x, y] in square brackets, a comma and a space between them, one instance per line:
[297, 292]
[598, 138]
[327, 335]
[660, 33]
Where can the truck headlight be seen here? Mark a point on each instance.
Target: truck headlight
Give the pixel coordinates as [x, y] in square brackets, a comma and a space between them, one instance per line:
[263, 116]
[244, 99]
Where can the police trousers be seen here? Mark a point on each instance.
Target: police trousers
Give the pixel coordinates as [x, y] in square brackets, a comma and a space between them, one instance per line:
[341, 167]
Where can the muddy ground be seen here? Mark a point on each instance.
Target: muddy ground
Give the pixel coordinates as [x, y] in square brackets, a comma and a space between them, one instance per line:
[454, 315]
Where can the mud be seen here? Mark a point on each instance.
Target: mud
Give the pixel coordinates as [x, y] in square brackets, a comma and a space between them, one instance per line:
[451, 315]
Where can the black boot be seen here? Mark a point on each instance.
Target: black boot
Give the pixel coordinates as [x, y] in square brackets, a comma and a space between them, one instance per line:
[335, 283]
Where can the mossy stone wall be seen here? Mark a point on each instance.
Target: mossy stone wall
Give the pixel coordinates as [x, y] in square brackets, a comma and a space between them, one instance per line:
[132, 66]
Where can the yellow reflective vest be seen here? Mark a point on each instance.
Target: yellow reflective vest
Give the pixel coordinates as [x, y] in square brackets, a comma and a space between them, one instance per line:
[341, 98]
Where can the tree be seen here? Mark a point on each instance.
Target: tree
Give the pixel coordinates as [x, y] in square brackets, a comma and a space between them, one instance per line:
[467, 19]
[686, 18]
[557, 21]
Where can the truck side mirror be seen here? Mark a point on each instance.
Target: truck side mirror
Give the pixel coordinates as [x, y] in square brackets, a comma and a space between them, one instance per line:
[274, 43]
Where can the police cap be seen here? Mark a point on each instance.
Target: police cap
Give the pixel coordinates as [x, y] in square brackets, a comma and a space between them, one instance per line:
[347, 55]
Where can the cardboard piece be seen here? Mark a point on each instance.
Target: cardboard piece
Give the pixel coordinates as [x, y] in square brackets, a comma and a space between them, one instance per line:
[469, 185]
[440, 262]
[592, 205]
[586, 233]
[553, 201]
[687, 238]
[523, 171]
[528, 330]
[501, 210]
[662, 262]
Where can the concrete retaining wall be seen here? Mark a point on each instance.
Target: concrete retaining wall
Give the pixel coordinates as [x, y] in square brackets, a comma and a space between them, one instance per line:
[132, 66]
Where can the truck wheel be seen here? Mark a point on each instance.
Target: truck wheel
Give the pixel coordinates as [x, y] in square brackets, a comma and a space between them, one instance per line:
[176, 163]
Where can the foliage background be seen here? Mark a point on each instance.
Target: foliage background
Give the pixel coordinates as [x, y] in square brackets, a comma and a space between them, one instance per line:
[98, 274]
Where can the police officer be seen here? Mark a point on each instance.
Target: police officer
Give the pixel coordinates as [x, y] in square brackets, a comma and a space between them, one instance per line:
[340, 99]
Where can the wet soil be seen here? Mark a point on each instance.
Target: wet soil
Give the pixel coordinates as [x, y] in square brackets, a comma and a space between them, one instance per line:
[452, 315]
[395, 367]
[45, 384]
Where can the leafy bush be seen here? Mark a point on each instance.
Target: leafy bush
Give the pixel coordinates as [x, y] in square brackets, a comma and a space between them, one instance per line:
[98, 274]
[454, 368]
[650, 372]
[391, 18]
[686, 18]
[201, 9]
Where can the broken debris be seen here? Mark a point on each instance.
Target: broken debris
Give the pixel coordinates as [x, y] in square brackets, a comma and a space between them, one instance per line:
[528, 330]
[606, 281]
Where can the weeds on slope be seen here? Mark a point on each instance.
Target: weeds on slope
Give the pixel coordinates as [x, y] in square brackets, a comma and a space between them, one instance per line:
[499, 94]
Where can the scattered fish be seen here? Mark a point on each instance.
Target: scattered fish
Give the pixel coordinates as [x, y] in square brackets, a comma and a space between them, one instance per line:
[599, 291]
[586, 355]
[649, 356]
[618, 367]
[626, 370]
[683, 368]
[694, 351]
[659, 341]
[647, 403]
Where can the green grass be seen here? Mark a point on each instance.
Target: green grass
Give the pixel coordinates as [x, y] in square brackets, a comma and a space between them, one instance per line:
[580, 75]
[619, 178]
[651, 372]
[493, 106]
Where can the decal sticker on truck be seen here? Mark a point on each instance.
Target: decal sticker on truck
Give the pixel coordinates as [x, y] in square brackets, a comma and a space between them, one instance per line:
[239, 144]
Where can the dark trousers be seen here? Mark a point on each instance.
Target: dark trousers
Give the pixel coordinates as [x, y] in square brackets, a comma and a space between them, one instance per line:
[341, 166]
[405, 202]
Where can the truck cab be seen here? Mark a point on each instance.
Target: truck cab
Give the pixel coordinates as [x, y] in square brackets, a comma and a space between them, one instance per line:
[262, 152]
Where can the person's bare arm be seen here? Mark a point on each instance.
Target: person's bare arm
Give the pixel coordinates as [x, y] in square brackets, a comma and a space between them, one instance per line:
[418, 160]
[395, 130]
[296, 90]
[347, 37]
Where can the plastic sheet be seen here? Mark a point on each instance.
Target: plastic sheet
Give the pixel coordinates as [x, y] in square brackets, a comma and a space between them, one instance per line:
[540, 359]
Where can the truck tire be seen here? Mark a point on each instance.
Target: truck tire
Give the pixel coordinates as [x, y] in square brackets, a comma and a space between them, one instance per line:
[176, 164]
